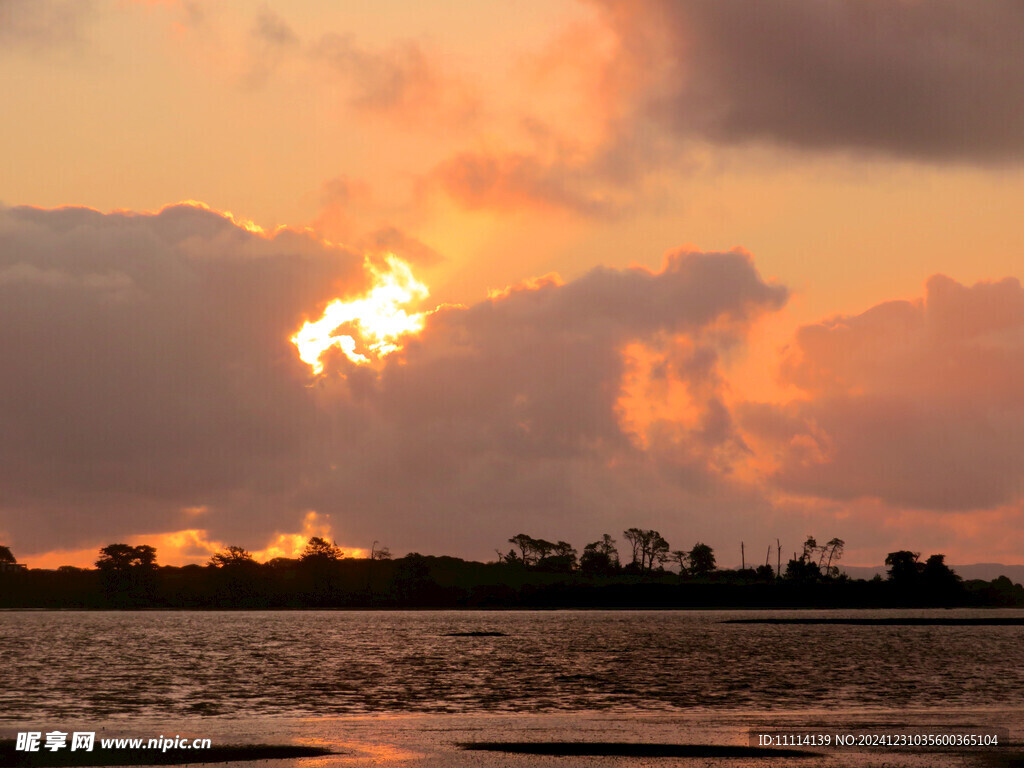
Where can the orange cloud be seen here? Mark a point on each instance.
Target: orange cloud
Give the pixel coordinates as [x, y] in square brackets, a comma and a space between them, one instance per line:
[660, 399]
[514, 180]
[194, 546]
[292, 544]
[173, 548]
[916, 403]
[402, 83]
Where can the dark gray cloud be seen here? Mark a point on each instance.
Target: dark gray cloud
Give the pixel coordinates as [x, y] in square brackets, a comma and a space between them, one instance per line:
[148, 366]
[925, 79]
[148, 369]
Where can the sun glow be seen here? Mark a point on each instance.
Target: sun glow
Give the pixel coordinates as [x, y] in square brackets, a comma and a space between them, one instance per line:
[377, 319]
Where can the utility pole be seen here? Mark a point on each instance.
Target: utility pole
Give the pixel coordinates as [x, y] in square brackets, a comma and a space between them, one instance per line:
[778, 565]
[369, 573]
[768, 556]
[743, 558]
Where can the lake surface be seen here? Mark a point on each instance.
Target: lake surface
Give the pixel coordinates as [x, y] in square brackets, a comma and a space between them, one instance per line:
[175, 665]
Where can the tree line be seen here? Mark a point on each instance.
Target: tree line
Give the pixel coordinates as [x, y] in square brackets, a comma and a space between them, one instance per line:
[533, 573]
[649, 552]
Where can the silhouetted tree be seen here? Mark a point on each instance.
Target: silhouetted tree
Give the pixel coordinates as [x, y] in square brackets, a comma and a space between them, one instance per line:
[606, 546]
[381, 554]
[649, 547]
[145, 556]
[903, 566]
[681, 557]
[810, 547]
[1002, 591]
[124, 557]
[232, 557]
[702, 560]
[525, 545]
[565, 549]
[319, 550]
[541, 549]
[939, 577]
[237, 579]
[809, 568]
[6, 556]
[655, 549]
[834, 547]
[509, 559]
[539, 552]
[127, 572]
[320, 572]
[561, 560]
[803, 570]
[634, 536]
[765, 572]
[600, 558]
[116, 557]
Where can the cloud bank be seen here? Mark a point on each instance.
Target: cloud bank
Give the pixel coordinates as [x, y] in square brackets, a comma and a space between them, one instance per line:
[938, 80]
[150, 375]
[151, 390]
[917, 404]
[935, 82]
[148, 368]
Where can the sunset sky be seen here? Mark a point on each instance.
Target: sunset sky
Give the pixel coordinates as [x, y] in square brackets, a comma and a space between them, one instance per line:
[733, 271]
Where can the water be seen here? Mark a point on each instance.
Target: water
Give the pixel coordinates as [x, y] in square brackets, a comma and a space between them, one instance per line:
[175, 665]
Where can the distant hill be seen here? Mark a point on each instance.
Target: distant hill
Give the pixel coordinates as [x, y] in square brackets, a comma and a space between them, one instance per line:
[985, 571]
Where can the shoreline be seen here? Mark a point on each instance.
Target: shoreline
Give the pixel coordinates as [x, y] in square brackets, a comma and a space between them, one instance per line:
[490, 740]
[519, 609]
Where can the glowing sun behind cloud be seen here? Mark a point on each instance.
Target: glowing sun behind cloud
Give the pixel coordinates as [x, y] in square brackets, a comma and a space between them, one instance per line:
[378, 318]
